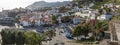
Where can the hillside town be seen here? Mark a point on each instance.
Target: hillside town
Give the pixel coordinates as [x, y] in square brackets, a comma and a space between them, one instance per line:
[69, 24]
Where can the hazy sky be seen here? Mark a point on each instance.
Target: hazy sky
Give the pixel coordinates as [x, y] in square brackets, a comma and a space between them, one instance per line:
[10, 4]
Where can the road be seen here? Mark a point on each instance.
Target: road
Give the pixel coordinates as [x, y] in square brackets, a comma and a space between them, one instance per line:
[60, 38]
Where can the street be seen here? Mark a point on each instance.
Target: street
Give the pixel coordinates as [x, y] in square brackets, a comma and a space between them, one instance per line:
[61, 39]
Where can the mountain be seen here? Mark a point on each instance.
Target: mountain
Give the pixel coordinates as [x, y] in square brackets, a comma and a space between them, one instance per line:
[42, 4]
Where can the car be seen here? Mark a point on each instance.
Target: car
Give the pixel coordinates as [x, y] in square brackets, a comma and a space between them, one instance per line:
[41, 31]
[62, 43]
[61, 32]
[69, 36]
[49, 39]
[56, 44]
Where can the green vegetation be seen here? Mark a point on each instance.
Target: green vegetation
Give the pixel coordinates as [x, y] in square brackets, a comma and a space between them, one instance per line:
[81, 30]
[116, 17]
[100, 25]
[54, 19]
[99, 4]
[96, 29]
[50, 33]
[116, 1]
[20, 37]
[32, 38]
[64, 9]
[66, 19]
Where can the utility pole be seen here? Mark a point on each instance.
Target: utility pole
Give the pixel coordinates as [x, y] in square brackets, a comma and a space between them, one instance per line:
[2, 9]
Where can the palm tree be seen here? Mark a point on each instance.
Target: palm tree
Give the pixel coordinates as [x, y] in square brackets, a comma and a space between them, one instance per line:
[42, 38]
[50, 33]
[99, 27]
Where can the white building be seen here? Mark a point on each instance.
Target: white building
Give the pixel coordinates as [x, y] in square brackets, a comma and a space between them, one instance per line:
[92, 16]
[76, 20]
[25, 23]
[59, 20]
[83, 15]
[109, 5]
[87, 14]
[104, 17]
[64, 14]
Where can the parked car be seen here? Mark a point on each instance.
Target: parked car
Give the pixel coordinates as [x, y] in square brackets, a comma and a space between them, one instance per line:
[62, 43]
[69, 36]
[56, 44]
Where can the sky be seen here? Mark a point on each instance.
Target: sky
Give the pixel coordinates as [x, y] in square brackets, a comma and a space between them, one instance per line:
[11, 4]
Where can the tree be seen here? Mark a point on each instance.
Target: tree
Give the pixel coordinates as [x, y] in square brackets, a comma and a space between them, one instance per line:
[50, 33]
[64, 9]
[81, 30]
[108, 10]
[12, 36]
[79, 3]
[42, 38]
[99, 27]
[19, 37]
[116, 1]
[77, 31]
[54, 19]
[32, 38]
[66, 19]
[100, 11]
[7, 37]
